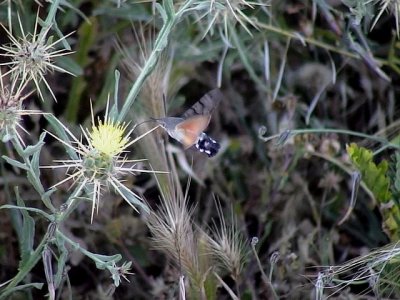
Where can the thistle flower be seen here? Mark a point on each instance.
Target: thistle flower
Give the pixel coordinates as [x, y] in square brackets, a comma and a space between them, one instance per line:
[101, 162]
[11, 111]
[32, 56]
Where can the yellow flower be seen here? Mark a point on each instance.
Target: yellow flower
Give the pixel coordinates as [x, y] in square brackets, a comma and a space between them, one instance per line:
[108, 138]
[101, 162]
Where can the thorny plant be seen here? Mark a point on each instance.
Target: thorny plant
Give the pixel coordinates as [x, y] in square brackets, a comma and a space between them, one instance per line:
[99, 159]
[96, 165]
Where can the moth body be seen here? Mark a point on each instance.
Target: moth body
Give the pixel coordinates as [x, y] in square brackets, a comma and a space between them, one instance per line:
[188, 129]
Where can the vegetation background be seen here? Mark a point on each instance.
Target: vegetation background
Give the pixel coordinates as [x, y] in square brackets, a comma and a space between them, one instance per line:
[302, 200]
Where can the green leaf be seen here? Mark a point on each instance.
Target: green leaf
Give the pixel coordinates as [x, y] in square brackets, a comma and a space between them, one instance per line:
[15, 163]
[131, 197]
[69, 64]
[107, 258]
[101, 260]
[397, 172]
[61, 261]
[133, 13]
[374, 175]
[113, 114]
[61, 134]
[32, 149]
[21, 288]
[36, 155]
[32, 209]
[48, 193]
[162, 12]
[244, 56]
[28, 232]
[169, 9]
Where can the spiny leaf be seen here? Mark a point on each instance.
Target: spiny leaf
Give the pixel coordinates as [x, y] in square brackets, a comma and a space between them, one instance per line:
[15, 163]
[391, 217]
[62, 134]
[374, 175]
[28, 233]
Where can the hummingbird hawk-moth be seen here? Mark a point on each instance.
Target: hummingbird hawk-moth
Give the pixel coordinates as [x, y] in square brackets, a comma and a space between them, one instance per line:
[188, 128]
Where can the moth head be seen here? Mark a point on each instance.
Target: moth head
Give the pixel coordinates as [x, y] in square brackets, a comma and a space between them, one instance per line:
[168, 123]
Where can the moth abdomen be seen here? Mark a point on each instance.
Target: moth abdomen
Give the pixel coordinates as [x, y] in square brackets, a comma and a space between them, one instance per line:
[207, 145]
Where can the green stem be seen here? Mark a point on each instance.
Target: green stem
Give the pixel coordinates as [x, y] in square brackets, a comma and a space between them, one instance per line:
[50, 16]
[243, 53]
[149, 66]
[37, 184]
[266, 280]
[95, 257]
[308, 40]
[77, 246]
[159, 45]
[333, 130]
[72, 203]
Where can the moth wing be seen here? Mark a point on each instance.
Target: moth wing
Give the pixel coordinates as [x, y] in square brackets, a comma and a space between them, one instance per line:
[192, 128]
[205, 105]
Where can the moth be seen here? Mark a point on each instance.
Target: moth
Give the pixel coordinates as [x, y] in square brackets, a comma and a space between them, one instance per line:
[188, 129]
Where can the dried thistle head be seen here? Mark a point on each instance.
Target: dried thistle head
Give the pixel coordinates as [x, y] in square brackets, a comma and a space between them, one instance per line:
[32, 55]
[9, 113]
[11, 108]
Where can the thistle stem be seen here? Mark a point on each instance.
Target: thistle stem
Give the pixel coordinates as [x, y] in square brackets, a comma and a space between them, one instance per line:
[170, 19]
